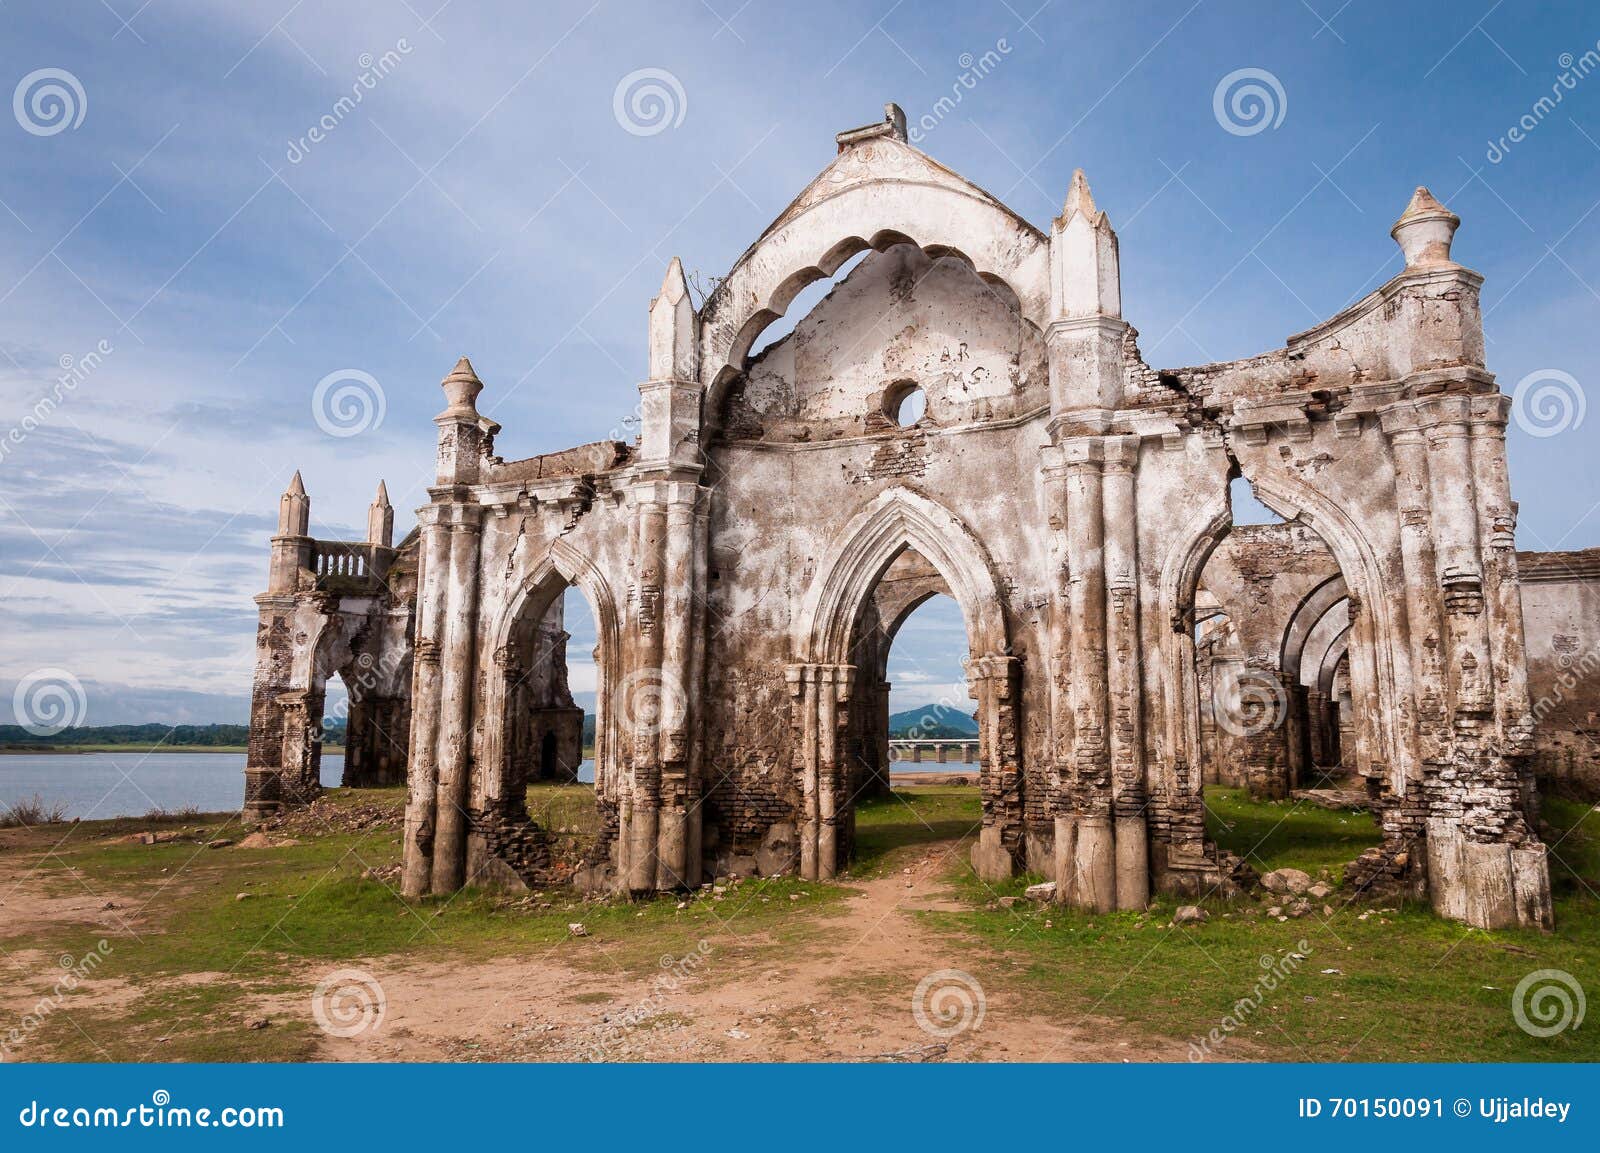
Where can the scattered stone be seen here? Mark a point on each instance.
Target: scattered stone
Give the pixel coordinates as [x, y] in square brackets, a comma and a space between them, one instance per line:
[1044, 891]
[576, 929]
[1286, 881]
[219, 843]
[241, 896]
[1006, 902]
[1320, 890]
[257, 1023]
[1190, 915]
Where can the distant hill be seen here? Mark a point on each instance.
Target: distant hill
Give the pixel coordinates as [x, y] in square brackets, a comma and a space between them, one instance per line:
[16, 737]
[932, 721]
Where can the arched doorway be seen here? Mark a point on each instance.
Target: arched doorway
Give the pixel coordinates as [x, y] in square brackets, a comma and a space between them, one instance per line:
[839, 690]
[550, 804]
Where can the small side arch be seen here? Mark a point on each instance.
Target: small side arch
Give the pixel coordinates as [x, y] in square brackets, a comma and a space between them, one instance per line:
[561, 567]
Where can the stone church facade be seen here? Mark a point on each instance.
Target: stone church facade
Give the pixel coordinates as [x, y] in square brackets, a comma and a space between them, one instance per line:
[749, 557]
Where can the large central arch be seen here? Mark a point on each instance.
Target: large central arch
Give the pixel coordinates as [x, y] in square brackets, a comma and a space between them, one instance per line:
[824, 675]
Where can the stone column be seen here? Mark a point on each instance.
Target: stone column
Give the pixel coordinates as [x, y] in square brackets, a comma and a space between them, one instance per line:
[645, 703]
[457, 661]
[677, 603]
[1414, 501]
[1001, 840]
[1126, 722]
[1456, 552]
[1497, 526]
[423, 773]
[819, 691]
[1085, 851]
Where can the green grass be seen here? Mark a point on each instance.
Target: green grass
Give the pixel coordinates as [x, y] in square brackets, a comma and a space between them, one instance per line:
[310, 909]
[1275, 834]
[909, 818]
[1409, 986]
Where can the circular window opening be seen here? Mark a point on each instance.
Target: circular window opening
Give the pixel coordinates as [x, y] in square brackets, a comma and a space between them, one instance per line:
[909, 407]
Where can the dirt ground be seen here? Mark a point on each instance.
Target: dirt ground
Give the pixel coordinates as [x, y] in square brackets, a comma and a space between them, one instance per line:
[849, 993]
[848, 998]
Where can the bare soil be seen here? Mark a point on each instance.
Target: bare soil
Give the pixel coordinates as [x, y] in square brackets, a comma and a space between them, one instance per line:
[846, 995]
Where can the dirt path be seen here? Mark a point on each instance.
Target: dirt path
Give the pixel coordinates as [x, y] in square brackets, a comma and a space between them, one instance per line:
[846, 993]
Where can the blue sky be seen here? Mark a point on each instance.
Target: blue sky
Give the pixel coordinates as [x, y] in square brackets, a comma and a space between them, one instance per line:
[485, 197]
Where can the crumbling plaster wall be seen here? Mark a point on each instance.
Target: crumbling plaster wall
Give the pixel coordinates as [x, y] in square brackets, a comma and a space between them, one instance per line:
[782, 499]
[1561, 607]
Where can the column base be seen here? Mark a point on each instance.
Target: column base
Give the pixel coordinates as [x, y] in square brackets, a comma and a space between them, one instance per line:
[1486, 884]
[991, 860]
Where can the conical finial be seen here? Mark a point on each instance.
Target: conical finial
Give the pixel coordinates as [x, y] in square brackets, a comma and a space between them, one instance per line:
[675, 286]
[673, 348]
[380, 519]
[1425, 230]
[461, 389]
[1079, 198]
[294, 509]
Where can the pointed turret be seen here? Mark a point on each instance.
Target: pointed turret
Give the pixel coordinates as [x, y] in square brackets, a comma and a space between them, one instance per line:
[294, 509]
[1080, 201]
[672, 328]
[380, 519]
[1086, 326]
[1087, 277]
[291, 544]
[669, 401]
[1425, 230]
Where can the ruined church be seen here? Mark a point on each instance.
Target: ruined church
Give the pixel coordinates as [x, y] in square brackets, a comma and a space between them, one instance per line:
[966, 413]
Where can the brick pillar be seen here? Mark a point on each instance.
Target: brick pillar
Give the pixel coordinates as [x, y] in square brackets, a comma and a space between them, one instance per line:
[457, 663]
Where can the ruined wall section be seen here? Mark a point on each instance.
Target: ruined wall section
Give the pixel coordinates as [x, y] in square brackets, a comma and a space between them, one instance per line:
[1259, 575]
[1561, 608]
[535, 538]
[808, 446]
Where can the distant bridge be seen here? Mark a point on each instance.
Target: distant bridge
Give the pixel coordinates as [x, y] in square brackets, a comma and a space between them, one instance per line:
[940, 751]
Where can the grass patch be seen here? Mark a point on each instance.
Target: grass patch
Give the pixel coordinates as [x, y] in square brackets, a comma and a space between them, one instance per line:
[1407, 985]
[1278, 834]
[908, 818]
[203, 956]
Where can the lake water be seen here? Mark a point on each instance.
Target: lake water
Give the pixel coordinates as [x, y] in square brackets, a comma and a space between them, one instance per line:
[97, 786]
